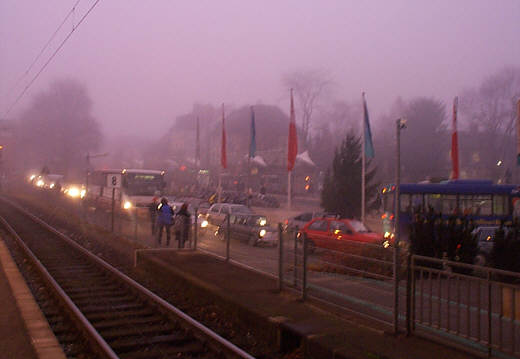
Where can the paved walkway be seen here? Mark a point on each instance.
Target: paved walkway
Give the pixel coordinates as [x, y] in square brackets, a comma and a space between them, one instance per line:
[24, 331]
[254, 296]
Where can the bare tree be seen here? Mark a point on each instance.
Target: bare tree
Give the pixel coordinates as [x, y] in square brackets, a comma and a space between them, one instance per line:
[58, 128]
[309, 87]
[490, 112]
[492, 106]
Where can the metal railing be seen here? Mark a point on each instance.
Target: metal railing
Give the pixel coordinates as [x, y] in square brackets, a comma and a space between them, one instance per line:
[480, 305]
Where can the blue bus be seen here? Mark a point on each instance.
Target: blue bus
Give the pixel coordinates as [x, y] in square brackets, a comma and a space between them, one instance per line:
[479, 200]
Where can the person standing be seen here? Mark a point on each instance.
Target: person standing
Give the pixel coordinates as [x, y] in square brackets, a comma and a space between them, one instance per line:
[182, 224]
[152, 208]
[164, 220]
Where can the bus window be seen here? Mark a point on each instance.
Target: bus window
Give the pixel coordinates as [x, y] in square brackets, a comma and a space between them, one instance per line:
[434, 202]
[417, 203]
[500, 205]
[479, 205]
[449, 204]
[142, 184]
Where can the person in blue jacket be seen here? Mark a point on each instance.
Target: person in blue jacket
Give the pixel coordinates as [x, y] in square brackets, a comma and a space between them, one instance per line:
[164, 220]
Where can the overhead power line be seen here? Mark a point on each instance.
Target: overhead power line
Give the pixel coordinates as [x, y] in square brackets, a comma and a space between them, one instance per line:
[50, 59]
[26, 72]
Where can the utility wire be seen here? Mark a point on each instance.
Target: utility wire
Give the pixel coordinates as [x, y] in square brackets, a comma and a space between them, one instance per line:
[49, 60]
[44, 48]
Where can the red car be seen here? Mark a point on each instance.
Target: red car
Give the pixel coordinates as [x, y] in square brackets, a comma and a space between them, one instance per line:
[335, 234]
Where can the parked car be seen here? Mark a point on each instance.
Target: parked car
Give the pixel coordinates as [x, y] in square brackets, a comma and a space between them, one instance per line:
[298, 221]
[249, 228]
[216, 214]
[336, 234]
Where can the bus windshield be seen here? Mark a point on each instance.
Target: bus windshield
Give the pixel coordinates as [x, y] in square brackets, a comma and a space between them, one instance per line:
[139, 184]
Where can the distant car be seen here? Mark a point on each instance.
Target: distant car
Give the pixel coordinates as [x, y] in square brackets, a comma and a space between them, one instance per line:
[336, 234]
[298, 221]
[249, 228]
[217, 213]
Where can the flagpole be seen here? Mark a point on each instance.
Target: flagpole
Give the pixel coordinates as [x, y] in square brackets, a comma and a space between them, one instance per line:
[455, 142]
[249, 158]
[518, 137]
[363, 163]
[219, 189]
[289, 190]
[292, 151]
[197, 146]
[222, 157]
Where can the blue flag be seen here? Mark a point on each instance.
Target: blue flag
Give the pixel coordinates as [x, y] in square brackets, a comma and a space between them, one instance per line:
[252, 144]
[369, 147]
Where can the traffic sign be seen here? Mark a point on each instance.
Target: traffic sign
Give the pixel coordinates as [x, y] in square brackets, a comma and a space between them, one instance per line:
[114, 180]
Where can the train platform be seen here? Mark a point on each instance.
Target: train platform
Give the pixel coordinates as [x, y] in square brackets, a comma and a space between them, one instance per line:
[24, 331]
[319, 331]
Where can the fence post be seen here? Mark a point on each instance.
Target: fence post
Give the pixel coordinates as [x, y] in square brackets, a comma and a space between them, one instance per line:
[280, 258]
[396, 286]
[196, 229]
[295, 259]
[136, 219]
[228, 225]
[409, 286]
[304, 284]
[490, 335]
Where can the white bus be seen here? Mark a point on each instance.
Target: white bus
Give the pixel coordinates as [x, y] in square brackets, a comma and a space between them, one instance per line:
[133, 188]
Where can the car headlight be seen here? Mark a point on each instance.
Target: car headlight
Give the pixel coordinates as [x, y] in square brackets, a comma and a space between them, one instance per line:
[204, 224]
[263, 222]
[262, 233]
[40, 183]
[51, 185]
[386, 244]
[82, 193]
[127, 205]
[73, 192]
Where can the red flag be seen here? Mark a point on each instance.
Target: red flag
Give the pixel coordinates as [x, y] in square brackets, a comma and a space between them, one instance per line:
[292, 149]
[455, 142]
[223, 158]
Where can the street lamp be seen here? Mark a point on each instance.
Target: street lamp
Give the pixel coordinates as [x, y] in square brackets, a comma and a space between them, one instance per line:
[400, 124]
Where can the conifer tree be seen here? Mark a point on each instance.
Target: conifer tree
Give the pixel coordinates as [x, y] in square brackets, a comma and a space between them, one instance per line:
[341, 192]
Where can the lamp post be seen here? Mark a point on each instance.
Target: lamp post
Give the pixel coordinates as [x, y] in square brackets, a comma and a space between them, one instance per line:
[400, 124]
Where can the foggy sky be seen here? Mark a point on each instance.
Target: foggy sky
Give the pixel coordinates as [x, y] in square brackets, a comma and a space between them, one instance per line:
[145, 62]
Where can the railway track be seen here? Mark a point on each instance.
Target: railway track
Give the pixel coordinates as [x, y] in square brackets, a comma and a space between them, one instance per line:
[114, 316]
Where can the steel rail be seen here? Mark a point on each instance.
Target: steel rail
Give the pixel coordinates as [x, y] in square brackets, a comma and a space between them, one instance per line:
[147, 294]
[91, 334]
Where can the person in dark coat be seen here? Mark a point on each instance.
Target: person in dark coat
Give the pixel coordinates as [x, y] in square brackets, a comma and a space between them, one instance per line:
[182, 225]
[152, 208]
[164, 220]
